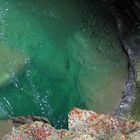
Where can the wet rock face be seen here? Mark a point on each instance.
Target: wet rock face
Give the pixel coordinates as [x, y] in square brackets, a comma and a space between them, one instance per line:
[12, 62]
[103, 71]
[127, 14]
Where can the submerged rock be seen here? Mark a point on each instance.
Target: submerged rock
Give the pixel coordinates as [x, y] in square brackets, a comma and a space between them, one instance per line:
[12, 62]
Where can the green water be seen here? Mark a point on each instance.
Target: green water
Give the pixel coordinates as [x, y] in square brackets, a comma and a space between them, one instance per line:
[74, 58]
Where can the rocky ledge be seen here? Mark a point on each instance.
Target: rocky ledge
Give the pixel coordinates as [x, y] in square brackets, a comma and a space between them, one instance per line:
[82, 124]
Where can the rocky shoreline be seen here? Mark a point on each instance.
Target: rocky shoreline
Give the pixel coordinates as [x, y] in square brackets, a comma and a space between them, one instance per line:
[82, 125]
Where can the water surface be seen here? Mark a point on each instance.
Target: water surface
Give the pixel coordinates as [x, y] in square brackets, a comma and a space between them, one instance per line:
[67, 64]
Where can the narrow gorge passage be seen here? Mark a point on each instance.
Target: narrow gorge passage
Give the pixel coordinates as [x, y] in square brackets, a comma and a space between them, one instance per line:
[72, 58]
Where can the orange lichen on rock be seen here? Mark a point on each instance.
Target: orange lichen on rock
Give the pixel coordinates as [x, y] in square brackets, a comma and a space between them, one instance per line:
[36, 130]
[98, 124]
[83, 125]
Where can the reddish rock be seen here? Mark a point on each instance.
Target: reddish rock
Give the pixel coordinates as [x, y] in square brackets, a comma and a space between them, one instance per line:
[83, 125]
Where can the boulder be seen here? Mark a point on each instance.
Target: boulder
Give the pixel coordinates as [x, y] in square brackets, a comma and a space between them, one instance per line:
[101, 126]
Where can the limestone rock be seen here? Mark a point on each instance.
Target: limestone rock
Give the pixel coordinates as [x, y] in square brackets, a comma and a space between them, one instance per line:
[100, 126]
[83, 125]
[37, 130]
[79, 137]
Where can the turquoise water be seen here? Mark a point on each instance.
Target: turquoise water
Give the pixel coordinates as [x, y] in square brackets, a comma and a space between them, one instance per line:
[67, 64]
